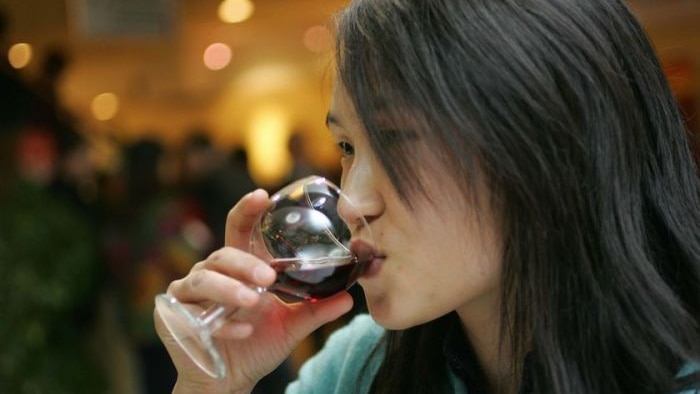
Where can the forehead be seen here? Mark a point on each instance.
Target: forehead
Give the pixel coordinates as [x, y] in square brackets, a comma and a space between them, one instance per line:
[381, 114]
[342, 117]
[342, 107]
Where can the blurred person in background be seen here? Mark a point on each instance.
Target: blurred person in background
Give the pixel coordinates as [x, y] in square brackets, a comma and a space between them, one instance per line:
[50, 277]
[214, 179]
[151, 236]
[76, 176]
[15, 97]
[46, 111]
[47, 107]
[240, 173]
[301, 166]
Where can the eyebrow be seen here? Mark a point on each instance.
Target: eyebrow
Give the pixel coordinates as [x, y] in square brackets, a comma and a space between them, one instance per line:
[332, 120]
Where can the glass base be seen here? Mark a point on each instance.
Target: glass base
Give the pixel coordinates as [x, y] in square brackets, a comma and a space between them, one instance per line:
[191, 334]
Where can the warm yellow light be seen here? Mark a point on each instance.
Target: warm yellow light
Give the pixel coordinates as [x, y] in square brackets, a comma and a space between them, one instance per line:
[317, 39]
[105, 106]
[19, 55]
[267, 79]
[235, 11]
[217, 56]
[267, 144]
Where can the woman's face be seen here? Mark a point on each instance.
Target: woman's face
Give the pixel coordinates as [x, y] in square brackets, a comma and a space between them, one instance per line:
[438, 255]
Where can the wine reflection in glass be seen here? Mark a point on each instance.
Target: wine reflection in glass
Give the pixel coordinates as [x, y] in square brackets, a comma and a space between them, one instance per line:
[302, 236]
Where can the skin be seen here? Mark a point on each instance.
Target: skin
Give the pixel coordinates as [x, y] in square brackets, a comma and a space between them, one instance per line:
[437, 256]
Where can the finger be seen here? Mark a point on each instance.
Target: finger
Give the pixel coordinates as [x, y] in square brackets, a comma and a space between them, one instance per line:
[234, 329]
[242, 217]
[207, 285]
[307, 317]
[231, 262]
[226, 276]
[242, 265]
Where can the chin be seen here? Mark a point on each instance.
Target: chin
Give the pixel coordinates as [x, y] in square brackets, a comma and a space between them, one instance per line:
[387, 317]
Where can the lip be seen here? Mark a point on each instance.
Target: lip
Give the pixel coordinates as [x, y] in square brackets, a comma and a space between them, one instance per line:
[366, 253]
[373, 268]
[363, 250]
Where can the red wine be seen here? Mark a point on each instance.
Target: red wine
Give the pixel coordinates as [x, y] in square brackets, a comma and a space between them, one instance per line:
[299, 280]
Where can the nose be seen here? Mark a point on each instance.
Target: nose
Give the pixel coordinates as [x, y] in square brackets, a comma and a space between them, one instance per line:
[360, 200]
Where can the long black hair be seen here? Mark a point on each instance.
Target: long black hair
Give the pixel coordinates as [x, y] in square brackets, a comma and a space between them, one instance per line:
[562, 106]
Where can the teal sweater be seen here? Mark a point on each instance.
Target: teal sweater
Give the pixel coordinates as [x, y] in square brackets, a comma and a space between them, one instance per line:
[342, 367]
[339, 368]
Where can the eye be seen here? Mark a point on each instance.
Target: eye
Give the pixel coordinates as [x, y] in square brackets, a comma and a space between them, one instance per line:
[346, 148]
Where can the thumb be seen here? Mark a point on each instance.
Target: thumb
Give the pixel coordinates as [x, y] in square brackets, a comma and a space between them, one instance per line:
[307, 317]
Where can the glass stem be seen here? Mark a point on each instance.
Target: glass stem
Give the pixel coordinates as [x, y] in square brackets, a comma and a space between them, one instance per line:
[215, 317]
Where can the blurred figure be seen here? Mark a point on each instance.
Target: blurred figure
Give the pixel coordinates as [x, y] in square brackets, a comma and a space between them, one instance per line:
[240, 174]
[45, 110]
[14, 103]
[154, 236]
[76, 176]
[34, 112]
[49, 277]
[214, 180]
[54, 64]
[301, 167]
[48, 107]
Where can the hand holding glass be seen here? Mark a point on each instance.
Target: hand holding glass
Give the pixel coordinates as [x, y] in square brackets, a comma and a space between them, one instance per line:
[302, 236]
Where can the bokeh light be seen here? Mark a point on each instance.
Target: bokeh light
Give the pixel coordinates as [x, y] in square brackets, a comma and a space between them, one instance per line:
[235, 11]
[267, 134]
[317, 39]
[217, 56]
[19, 55]
[105, 106]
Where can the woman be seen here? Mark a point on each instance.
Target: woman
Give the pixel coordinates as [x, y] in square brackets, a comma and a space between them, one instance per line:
[529, 182]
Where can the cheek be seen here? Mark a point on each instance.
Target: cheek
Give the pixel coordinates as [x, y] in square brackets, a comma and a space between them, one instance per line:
[461, 265]
[452, 266]
[472, 256]
[436, 273]
[443, 256]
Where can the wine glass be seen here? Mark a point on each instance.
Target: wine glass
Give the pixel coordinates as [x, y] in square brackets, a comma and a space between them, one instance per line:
[302, 236]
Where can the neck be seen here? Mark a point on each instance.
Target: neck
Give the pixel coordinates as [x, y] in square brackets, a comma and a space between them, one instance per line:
[482, 329]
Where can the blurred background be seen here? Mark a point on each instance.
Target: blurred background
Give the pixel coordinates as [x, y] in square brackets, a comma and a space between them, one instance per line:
[247, 73]
[127, 130]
